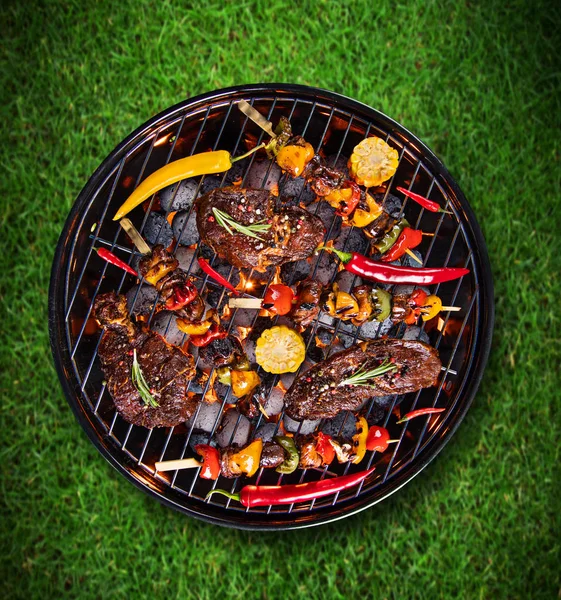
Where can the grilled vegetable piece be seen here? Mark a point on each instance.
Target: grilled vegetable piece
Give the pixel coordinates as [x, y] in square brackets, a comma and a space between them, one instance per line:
[166, 369]
[308, 302]
[280, 350]
[321, 392]
[373, 161]
[223, 351]
[293, 234]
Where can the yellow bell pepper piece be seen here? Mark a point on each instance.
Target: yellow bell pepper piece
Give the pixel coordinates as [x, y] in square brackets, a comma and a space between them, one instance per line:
[247, 459]
[294, 158]
[432, 306]
[193, 328]
[359, 440]
[244, 382]
[362, 218]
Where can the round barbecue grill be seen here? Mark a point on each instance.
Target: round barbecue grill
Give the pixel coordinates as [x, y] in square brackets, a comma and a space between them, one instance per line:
[333, 124]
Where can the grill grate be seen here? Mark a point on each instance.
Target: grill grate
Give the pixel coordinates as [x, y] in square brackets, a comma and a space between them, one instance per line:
[333, 124]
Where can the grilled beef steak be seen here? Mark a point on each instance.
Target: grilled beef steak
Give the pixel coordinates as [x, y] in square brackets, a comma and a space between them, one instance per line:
[318, 393]
[293, 235]
[166, 368]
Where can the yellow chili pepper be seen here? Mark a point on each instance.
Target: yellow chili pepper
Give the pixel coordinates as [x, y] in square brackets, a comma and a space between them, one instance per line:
[361, 218]
[359, 440]
[193, 328]
[205, 163]
[247, 459]
[243, 382]
[432, 305]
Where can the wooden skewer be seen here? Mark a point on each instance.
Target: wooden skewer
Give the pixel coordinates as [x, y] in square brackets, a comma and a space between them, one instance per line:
[414, 256]
[245, 302]
[450, 309]
[256, 117]
[135, 236]
[428, 234]
[182, 463]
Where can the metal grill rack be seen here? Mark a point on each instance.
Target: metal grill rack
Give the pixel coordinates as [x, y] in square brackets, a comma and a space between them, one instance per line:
[333, 124]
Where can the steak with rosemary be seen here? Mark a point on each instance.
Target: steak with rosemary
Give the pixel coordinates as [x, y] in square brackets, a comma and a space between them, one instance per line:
[338, 383]
[166, 369]
[286, 233]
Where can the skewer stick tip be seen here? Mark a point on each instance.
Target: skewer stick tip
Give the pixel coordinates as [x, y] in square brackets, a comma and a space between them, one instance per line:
[414, 256]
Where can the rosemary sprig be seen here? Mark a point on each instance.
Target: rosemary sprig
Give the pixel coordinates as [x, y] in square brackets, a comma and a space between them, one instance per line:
[140, 383]
[362, 377]
[226, 221]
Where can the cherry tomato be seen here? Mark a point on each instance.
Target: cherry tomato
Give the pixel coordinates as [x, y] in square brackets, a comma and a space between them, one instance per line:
[278, 299]
[377, 439]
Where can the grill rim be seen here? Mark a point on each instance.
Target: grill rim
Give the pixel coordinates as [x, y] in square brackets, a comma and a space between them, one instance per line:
[166, 495]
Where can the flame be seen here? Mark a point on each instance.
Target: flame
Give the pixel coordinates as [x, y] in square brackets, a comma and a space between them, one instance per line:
[280, 385]
[226, 312]
[275, 189]
[245, 282]
[320, 344]
[211, 396]
[244, 332]
[277, 276]
[169, 218]
[237, 182]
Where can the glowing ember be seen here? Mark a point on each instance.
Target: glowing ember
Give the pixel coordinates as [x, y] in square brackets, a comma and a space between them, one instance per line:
[245, 282]
[244, 332]
[277, 277]
[275, 189]
[281, 387]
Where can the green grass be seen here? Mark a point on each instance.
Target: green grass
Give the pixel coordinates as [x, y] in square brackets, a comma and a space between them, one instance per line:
[480, 83]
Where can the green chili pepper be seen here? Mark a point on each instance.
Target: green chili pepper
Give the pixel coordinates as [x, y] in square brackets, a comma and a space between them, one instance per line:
[382, 304]
[391, 236]
[290, 464]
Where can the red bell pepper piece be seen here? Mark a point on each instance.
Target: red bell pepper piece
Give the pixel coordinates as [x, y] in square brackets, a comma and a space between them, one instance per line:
[215, 332]
[211, 461]
[182, 295]
[324, 448]
[353, 200]
[408, 239]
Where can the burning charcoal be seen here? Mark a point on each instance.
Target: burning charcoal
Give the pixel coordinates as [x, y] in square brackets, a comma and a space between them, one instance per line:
[385, 401]
[331, 221]
[296, 189]
[226, 270]
[141, 299]
[223, 392]
[352, 239]
[415, 333]
[207, 416]
[266, 432]
[287, 379]
[392, 205]
[302, 427]
[275, 402]
[210, 182]
[249, 347]
[409, 262]
[339, 163]
[185, 228]
[263, 174]
[347, 281]
[157, 230]
[198, 437]
[324, 336]
[326, 268]
[326, 319]
[345, 339]
[165, 323]
[373, 329]
[294, 272]
[237, 171]
[231, 427]
[185, 257]
[377, 412]
[341, 426]
[244, 317]
[182, 199]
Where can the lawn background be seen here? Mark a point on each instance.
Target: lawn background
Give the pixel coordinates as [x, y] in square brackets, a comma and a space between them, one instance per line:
[479, 82]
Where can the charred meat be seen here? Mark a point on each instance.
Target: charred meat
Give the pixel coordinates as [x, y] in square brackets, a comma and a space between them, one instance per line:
[323, 391]
[166, 369]
[293, 234]
[308, 304]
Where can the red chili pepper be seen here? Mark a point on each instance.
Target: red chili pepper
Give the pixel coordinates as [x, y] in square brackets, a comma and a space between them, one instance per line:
[420, 412]
[214, 333]
[353, 201]
[216, 275]
[324, 448]
[383, 273]
[113, 260]
[378, 438]
[211, 461]
[182, 295]
[424, 202]
[265, 495]
[408, 238]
